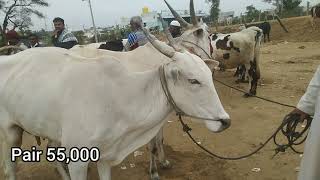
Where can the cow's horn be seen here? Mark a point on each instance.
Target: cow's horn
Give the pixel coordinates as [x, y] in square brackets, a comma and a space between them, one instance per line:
[160, 46]
[183, 22]
[194, 19]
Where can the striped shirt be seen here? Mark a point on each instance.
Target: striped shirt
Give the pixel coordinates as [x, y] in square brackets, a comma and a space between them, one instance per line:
[66, 36]
[137, 38]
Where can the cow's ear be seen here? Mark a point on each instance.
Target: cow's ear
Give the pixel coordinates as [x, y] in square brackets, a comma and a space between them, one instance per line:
[198, 32]
[212, 64]
[175, 73]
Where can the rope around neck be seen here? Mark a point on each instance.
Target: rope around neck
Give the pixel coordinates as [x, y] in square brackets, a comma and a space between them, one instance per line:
[198, 47]
[166, 91]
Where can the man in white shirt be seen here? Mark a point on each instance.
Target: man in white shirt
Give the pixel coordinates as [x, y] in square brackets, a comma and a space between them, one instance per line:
[309, 105]
[34, 41]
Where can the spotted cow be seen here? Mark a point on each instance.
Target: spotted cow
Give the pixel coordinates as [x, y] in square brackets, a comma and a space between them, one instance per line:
[239, 50]
[315, 14]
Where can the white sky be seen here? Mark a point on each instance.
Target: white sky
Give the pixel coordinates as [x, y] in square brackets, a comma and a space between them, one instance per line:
[76, 13]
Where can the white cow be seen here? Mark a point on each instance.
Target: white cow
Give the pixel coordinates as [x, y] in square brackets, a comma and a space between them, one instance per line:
[196, 40]
[99, 102]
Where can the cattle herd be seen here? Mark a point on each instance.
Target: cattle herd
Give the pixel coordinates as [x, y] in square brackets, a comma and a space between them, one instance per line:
[127, 96]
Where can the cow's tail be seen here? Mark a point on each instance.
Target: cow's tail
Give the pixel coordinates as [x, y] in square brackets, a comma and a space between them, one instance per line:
[258, 37]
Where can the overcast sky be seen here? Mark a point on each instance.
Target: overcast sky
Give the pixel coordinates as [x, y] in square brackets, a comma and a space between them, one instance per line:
[108, 12]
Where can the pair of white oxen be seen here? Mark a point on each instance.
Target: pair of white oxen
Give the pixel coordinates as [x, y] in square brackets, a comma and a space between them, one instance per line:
[114, 101]
[109, 101]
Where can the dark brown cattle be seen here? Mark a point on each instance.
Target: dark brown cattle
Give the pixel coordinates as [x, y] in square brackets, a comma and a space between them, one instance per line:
[266, 28]
[115, 45]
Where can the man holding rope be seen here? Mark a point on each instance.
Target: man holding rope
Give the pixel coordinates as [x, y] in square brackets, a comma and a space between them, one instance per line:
[309, 105]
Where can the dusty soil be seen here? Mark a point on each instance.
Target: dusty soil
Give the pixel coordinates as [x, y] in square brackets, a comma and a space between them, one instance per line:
[287, 65]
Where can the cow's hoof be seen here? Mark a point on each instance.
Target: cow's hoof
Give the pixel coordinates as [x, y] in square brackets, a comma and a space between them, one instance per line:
[241, 81]
[165, 165]
[155, 176]
[247, 95]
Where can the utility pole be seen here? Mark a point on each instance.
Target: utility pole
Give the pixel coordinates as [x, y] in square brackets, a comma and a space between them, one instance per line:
[93, 24]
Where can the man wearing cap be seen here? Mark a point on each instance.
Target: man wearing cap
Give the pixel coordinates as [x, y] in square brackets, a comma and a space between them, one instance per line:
[61, 37]
[175, 29]
[137, 37]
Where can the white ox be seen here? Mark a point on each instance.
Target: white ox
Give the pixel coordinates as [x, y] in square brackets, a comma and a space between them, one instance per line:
[77, 101]
[239, 49]
[196, 40]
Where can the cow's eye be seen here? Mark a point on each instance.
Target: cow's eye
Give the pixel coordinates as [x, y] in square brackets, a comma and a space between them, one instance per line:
[193, 81]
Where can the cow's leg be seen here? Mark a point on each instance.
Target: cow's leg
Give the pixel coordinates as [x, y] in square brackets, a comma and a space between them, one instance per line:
[253, 78]
[238, 71]
[249, 77]
[78, 170]
[241, 74]
[12, 138]
[164, 163]
[61, 167]
[104, 170]
[153, 155]
[268, 36]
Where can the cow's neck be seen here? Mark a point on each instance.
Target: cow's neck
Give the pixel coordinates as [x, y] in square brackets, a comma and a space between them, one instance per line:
[150, 108]
[154, 106]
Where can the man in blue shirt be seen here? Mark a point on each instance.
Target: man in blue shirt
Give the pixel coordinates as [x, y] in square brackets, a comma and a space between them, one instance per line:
[137, 37]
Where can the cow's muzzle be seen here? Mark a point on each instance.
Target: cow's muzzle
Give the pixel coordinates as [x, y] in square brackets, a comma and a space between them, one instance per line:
[225, 124]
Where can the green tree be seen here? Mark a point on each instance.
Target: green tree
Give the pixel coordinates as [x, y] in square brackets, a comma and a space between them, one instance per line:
[214, 9]
[80, 36]
[252, 14]
[286, 7]
[17, 13]
[291, 4]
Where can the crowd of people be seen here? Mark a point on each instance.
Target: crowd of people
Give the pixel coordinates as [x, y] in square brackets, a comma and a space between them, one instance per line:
[63, 38]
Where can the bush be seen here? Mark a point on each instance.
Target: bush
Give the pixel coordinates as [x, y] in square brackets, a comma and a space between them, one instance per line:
[298, 11]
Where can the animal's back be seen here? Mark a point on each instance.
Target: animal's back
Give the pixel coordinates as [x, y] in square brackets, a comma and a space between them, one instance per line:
[141, 59]
[42, 84]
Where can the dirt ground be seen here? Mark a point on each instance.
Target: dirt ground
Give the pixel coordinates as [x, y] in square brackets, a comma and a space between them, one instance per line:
[287, 65]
